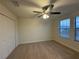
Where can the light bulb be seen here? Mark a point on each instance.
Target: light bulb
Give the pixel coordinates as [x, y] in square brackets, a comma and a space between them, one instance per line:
[45, 16]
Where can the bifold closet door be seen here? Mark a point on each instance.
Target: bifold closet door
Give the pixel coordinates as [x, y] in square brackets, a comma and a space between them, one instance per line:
[7, 36]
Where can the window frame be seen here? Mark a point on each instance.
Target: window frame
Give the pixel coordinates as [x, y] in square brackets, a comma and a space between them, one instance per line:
[59, 28]
[75, 29]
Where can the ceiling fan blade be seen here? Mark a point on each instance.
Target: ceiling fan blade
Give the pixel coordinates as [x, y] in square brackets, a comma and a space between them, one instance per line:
[37, 12]
[40, 15]
[53, 1]
[47, 6]
[55, 12]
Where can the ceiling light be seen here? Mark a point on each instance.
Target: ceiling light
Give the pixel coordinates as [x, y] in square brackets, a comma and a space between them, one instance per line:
[45, 16]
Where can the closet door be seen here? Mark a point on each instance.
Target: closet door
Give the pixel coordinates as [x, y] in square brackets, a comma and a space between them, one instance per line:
[7, 36]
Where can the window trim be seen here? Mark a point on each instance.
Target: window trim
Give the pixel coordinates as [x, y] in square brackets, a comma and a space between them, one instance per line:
[60, 28]
[75, 29]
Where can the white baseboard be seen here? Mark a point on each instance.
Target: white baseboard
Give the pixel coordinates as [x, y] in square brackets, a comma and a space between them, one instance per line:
[34, 41]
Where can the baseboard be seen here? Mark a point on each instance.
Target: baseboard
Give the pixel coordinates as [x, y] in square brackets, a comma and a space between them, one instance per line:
[13, 50]
[34, 41]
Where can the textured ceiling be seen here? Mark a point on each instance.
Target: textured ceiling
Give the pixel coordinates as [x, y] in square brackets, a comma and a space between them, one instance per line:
[26, 7]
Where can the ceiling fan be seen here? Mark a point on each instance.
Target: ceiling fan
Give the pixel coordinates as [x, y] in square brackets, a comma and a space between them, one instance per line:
[44, 13]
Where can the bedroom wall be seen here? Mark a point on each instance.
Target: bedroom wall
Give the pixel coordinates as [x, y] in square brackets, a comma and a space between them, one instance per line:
[69, 42]
[33, 30]
[8, 32]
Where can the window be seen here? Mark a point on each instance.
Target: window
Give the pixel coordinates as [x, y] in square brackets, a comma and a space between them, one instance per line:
[77, 28]
[64, 28]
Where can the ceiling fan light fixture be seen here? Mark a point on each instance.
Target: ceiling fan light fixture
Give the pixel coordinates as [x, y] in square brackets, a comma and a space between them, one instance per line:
[45, 16]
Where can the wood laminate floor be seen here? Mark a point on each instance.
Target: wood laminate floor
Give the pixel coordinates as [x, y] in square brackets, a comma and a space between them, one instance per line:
[42, 50]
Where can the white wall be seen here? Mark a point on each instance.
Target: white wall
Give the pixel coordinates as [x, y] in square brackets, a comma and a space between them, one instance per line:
[8, 32]
[33, 30]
